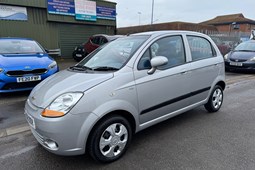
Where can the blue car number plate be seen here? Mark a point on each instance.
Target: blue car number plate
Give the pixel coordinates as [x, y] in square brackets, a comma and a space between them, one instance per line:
[28, 78]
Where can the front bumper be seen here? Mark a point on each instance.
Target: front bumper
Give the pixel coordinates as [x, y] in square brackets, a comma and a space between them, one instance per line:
[65, 135]
[240, 66]
[9, 83]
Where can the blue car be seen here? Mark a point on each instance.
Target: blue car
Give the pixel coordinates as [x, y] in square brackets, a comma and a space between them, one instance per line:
[23, 64]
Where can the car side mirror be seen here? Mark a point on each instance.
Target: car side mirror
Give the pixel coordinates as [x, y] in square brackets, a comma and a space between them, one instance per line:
[156, 62]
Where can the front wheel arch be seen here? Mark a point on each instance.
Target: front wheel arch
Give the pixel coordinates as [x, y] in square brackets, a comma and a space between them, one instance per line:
[95, 133]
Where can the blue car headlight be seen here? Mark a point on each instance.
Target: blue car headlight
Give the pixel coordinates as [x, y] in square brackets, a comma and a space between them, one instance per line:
[52, 65]
[252, 59]
[1, 70]
[226, 56]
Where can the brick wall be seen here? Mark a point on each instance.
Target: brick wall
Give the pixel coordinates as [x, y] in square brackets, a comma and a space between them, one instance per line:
[230, 28]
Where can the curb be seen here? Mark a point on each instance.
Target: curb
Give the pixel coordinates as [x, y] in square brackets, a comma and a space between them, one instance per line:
[14, 130]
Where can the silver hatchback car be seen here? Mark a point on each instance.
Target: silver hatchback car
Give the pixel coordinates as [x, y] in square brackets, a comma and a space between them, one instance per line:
[122, 88]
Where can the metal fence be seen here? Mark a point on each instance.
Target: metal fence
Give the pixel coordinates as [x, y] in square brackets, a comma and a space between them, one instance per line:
[227, 41]
[232, 39]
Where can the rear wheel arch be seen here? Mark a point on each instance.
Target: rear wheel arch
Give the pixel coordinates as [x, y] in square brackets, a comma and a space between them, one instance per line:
[215, 100]
[222, 84]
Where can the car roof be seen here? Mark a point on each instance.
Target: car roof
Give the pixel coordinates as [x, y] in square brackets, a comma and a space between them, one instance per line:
[109, 37]
[159, 33]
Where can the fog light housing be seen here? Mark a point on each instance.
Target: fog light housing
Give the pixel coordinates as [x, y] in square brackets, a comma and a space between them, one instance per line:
[50, 144]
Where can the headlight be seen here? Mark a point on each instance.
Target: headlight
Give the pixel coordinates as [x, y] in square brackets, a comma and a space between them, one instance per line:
[75, 48]
[62, 104]
[252, 59]
[1, 70]
[52, 65]
[226, 56]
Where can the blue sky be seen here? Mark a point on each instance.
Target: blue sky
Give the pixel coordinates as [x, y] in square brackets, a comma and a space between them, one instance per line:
[180, 10]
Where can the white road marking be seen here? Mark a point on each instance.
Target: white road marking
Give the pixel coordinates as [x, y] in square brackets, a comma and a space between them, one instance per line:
[16, 153]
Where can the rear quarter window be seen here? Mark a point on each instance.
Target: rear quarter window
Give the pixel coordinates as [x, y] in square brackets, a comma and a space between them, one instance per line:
[200, 48]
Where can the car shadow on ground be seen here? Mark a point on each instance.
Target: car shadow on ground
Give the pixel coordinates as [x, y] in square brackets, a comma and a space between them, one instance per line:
[14, 95]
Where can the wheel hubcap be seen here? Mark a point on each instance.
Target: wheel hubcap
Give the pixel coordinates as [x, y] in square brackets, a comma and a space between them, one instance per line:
[113, 140]
[217, 98]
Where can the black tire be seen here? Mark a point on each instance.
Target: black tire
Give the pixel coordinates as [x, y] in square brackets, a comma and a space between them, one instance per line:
[215, 101]
[76, 58]
[79, 58]
[102, 132]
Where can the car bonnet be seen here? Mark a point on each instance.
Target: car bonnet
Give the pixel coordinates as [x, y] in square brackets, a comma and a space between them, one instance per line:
[63, 82]
[242, 55]
[20, 61]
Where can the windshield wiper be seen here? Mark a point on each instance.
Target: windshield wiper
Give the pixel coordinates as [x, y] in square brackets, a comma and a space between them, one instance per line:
[105, 68]
[80, 68]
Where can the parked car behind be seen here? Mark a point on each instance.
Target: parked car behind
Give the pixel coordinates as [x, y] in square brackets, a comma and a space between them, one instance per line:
[223, 47]
[23, 64]
[93, 43]
[242, 57]
[122, 88]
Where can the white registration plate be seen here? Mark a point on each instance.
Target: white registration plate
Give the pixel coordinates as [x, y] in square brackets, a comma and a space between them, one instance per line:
[236, 64]
[30, 120]
[28, 78]
[78, 55]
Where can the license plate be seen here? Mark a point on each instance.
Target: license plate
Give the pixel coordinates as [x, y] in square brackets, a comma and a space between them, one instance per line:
[78, 55]
[30, 120]
[28, 78]
[236, 64]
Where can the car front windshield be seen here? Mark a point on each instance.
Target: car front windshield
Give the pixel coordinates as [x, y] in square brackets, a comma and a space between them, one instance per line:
[15, 46]
[246, 46]
[113, 55]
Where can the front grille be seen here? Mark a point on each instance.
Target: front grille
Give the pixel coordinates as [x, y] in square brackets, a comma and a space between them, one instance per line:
[24, 72]
[12, 86]
[237, 60]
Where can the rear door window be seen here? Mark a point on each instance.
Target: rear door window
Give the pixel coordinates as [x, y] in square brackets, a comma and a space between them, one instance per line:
[200, 48]
[96, 40]
[103, 40]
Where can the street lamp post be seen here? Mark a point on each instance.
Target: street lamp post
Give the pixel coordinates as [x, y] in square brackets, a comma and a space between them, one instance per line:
[139, 13]
[152, 10]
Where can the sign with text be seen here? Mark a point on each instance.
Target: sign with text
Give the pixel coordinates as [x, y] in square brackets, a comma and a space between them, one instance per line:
[106, 13]
[13, 13]
[85, 10]
[62, 7]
